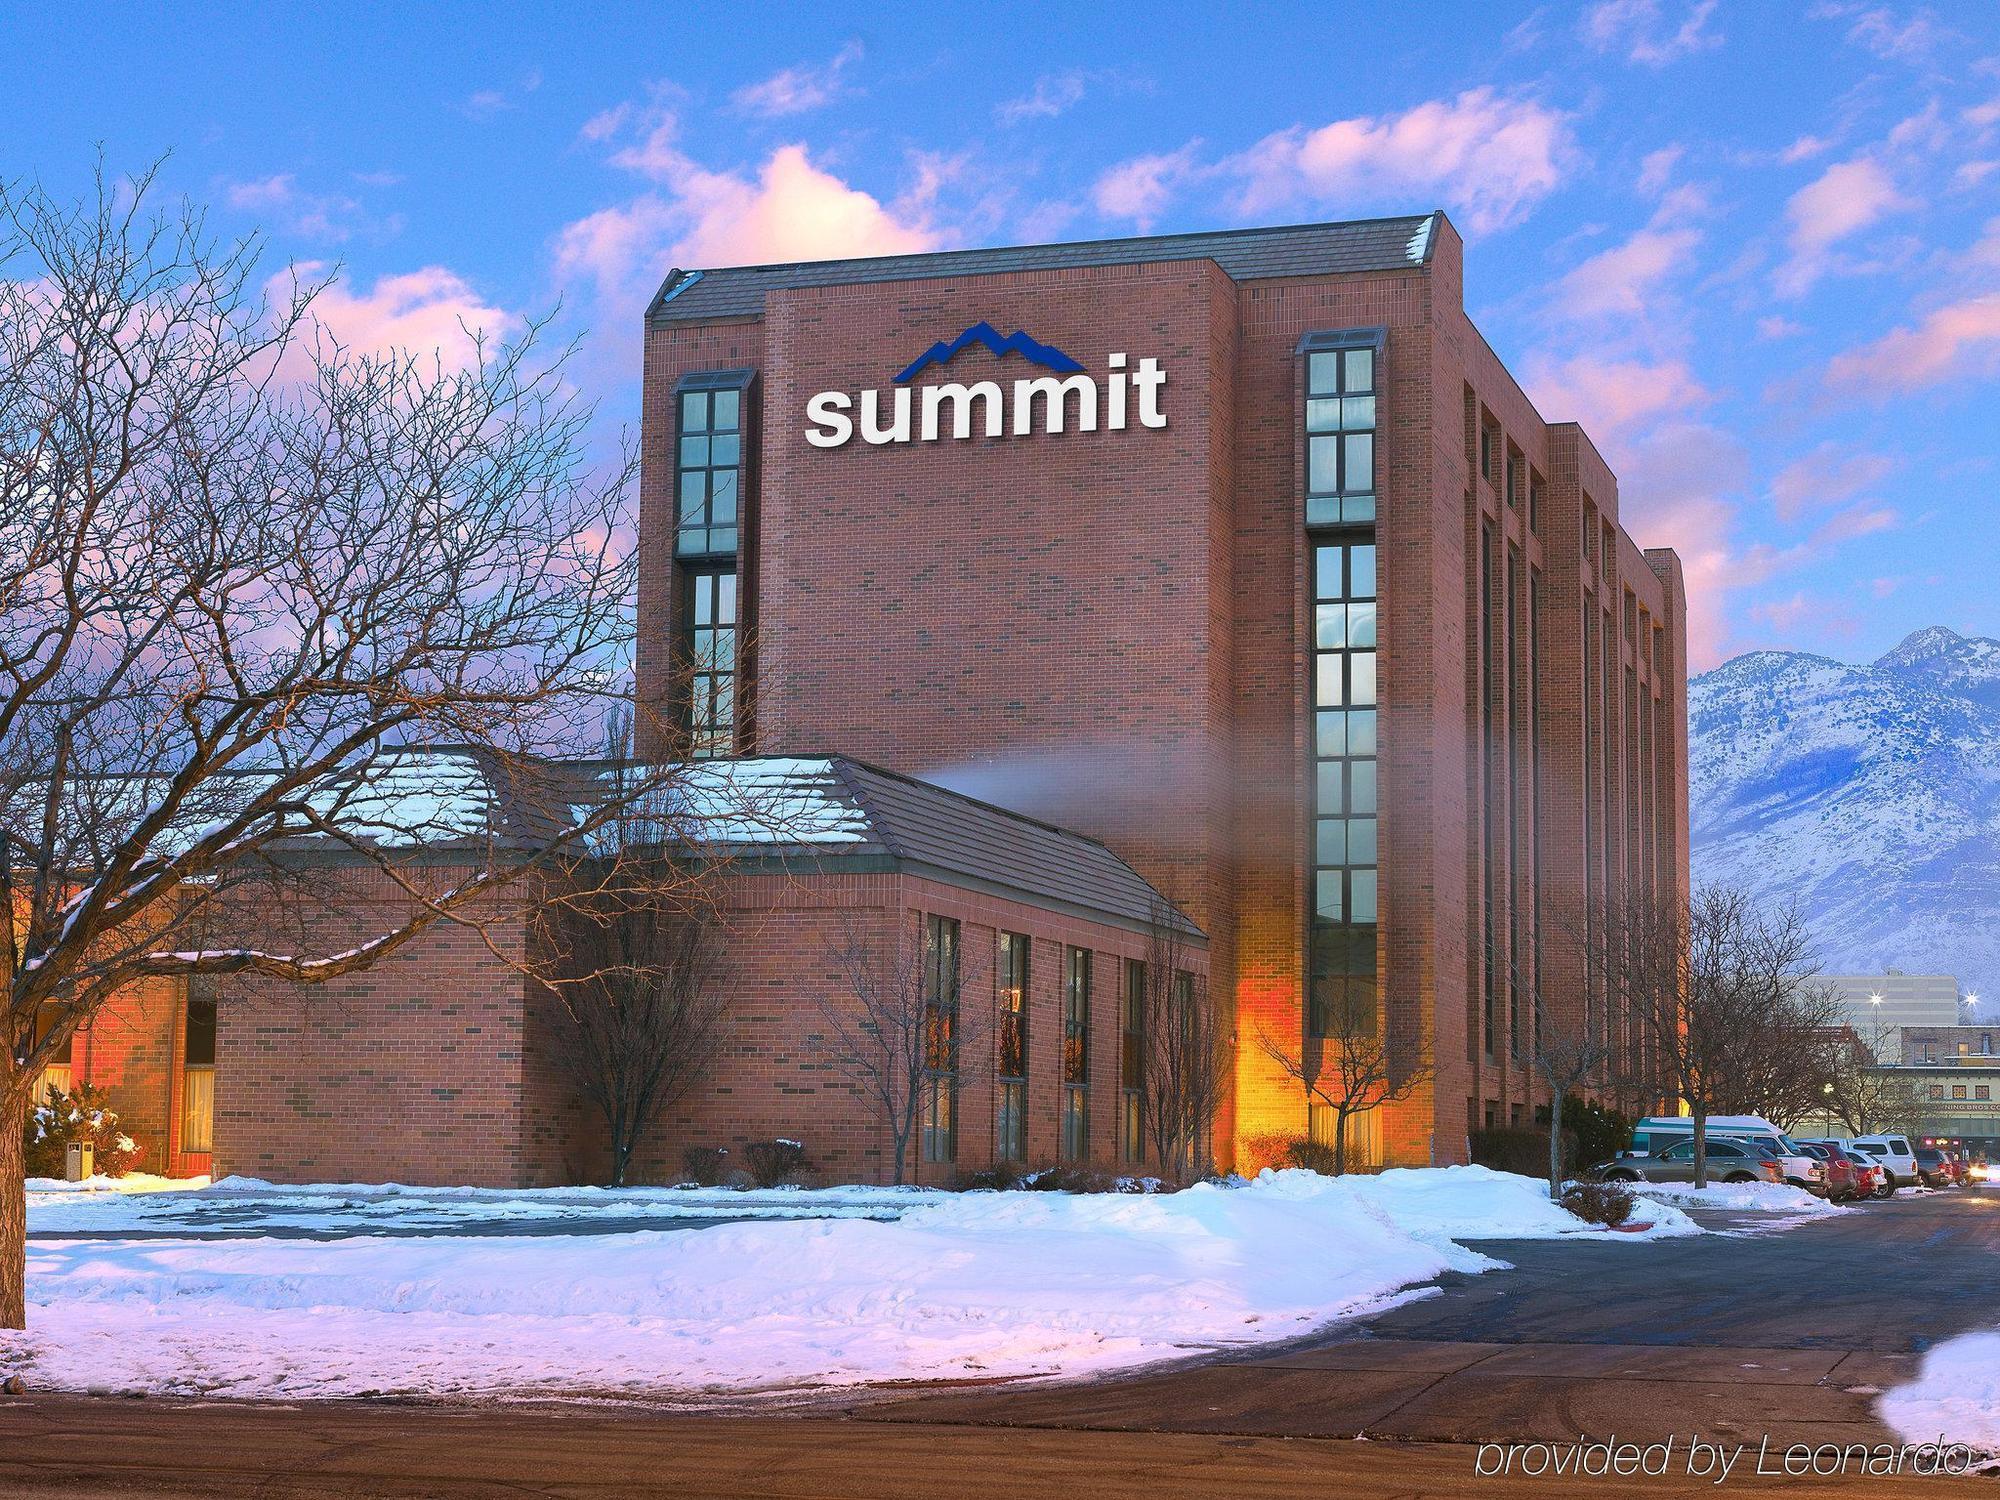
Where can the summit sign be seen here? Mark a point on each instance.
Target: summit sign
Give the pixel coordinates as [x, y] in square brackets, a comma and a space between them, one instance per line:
[1068, 399]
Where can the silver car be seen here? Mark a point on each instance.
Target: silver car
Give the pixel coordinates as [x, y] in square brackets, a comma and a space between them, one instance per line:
[1728, 1161]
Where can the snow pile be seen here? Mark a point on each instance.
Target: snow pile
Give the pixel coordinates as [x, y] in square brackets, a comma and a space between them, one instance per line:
[961, 1285]
[1478, 1203]
[1956, 1393]
[114, 1187]
[1743, 1197]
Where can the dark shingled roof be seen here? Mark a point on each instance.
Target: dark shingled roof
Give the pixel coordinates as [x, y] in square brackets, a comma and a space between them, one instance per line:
[1244, 254]
[930, 827]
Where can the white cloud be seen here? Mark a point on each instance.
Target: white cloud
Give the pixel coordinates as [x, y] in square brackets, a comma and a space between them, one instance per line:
[1639, 30]
[1829, 476]
[1624, 281]
[1959, 338]
[1490, 157]
[1845, 199]
[794, 91]
[330, 217]
[1140, 188]
[1052, 95]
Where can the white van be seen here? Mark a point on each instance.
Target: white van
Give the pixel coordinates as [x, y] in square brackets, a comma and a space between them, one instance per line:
[1893, 1154]
[1656, 1133]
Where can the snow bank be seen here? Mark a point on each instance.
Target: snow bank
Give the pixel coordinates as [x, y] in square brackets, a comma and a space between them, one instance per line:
[1742, 1197]
[131, 1182]
[1956, 1392]
[959, 1285]
[1478, 1203]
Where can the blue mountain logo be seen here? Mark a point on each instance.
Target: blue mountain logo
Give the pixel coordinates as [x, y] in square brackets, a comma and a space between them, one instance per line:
[1017, 342]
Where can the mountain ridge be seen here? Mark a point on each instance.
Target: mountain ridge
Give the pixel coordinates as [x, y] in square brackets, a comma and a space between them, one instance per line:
[1869, 791]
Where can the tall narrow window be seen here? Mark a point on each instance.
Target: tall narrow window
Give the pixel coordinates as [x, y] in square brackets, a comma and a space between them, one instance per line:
[708, 467]
[1132, 1063]
[1490, 756]
[198, 1073]
[940, 1103]
[1012, 1143]
[1346, 793]
[710, 643]
[1076, 1055]
[1512, 769]
[1340, 436]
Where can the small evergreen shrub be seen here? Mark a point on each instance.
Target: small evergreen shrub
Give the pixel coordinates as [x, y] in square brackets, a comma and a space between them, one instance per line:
[1001, 1177]
[81, 1115]
[1310, 1156]
[705, 1166]
[1073, 1177]
[1600, 1133]
[776, 1163]
[1518, 1148]
[1606, 1203]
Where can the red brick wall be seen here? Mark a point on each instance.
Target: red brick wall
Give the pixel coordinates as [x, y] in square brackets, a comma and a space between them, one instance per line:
[128, 1049]
[1112, 633]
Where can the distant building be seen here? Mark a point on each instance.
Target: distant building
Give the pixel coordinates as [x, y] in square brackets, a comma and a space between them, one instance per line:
[1964, 1046]
[1880, 1005]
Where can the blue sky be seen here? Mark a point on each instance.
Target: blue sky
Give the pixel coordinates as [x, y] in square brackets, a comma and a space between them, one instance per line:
[1756, 249]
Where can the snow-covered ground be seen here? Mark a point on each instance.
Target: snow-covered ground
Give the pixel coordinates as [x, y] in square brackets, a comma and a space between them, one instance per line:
[1742, 1197]
[957, 1285]
[237, 1204]
[1956, 1393]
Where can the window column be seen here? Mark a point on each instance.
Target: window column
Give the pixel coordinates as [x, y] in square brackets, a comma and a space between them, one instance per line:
[940, 1103]
[1076, 1055]
[1011, 1143]
[710, 459]
[1132, 1063]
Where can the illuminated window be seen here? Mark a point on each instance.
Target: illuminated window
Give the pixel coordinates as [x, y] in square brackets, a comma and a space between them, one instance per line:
[1076, 1055]
[1346, 791]
[940, 1102]
[1012, 1132]
[1132, 1063]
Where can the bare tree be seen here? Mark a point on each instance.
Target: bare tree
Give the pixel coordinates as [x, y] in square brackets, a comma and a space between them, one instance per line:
[628, 954]
[1183, 1054]
[895, 1027]
[1714, 985]
[1864, 1091]
[245, 576]
[1567, 1056]
[1348, 1066]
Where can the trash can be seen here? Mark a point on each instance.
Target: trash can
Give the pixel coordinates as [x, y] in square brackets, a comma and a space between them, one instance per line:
[82, 1161]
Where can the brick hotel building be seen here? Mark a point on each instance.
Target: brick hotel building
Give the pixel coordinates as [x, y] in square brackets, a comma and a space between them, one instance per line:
[1221, 580]
[1241, 552]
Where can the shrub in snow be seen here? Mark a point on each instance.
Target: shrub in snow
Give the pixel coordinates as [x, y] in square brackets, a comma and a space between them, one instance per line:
[1311, 1156]
[1600, 1133]
[1075, 1177]
[1606, 1203]
[81, 1115]
[777, 1163]
[705, 1166]
[1002, 1176]
[1522, 1150]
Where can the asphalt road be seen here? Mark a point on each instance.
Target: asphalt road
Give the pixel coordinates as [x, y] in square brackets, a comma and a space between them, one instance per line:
[1787, 1335]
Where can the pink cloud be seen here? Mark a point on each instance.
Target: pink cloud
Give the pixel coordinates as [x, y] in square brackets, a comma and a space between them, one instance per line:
[1611, 398]
[1621, 281]
[1140, 188]
[1830, 474]
[424, 312]
[1490, 157]
[1843, 200]
[1959, 338]
[1801, 613]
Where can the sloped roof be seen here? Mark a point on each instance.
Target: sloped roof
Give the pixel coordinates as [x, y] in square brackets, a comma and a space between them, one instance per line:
[797, 810]
[688, 296]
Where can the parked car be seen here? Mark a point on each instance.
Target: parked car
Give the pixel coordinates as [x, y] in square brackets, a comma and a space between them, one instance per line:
[1869, 1179]
[1847, 1177]
[1892, 1154]
[1728, 1161]
[1655, 1133]
[1935, 1169]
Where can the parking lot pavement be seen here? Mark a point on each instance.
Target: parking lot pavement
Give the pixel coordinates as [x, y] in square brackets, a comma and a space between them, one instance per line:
[76, 1448]
[1735, 1338]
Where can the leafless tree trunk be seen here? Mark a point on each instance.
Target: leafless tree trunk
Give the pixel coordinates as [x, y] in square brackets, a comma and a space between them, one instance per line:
[1184, 1053]
[1723, 996]
[895, 1027]
[245, 575]
[1349, 1069]
[628, 955]
[1572, 1046]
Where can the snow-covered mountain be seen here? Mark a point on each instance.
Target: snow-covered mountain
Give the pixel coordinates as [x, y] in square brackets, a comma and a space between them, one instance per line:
[1870, 792]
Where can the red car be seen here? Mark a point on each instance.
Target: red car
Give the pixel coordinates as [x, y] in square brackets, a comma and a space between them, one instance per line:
[1849, 1175]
